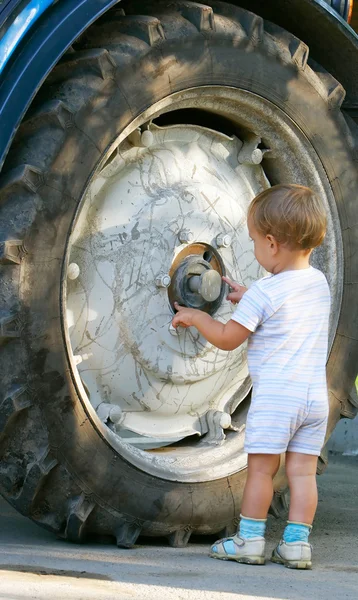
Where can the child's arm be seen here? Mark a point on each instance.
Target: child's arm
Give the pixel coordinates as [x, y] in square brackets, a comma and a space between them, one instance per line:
[226, 337]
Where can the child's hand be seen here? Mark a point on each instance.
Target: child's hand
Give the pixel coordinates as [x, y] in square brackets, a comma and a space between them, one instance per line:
[238, 291]
[184, 316]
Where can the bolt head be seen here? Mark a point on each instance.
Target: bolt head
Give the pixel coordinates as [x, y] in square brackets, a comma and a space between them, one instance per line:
[257, 156]
[73, 271]
[185, 236]
[223, 240]
[225, 421]
[116, 415]
[163, 280]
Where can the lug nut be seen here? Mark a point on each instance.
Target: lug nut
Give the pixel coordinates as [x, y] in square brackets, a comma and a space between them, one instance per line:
[141, 139]
[73, 271]
[147, 138]
[110, 412]
[115, 415]
[251, 157]
[172, 330]
[250, 153]
[163, 280]
[185, 236]
[225, 420]
[223, 240]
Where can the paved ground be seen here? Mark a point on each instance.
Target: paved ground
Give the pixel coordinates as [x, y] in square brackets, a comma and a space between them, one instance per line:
[34, 565]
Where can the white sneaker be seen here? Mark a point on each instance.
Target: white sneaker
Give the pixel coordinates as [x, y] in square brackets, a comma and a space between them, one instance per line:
[251, 552]
[294, 555]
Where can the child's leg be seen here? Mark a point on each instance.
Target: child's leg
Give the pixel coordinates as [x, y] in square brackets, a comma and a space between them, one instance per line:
[301, 474]
[294, 551]
[248, 546]
[258, 491]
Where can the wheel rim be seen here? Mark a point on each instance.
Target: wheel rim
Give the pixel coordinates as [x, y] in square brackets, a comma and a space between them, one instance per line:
[199, 394]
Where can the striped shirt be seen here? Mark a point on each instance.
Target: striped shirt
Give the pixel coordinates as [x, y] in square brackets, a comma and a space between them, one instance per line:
[288, 314]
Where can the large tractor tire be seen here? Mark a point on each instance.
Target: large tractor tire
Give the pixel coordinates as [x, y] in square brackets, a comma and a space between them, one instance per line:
[136, 163]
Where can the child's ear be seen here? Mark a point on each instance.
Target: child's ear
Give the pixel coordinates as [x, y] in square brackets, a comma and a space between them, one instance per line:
[273, 243]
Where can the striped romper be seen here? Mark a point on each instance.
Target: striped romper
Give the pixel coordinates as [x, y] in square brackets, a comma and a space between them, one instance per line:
[288, 314]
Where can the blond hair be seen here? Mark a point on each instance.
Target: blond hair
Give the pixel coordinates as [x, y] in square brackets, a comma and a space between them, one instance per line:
[292, 214]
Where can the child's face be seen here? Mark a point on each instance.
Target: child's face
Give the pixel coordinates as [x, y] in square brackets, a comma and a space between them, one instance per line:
[265, 247]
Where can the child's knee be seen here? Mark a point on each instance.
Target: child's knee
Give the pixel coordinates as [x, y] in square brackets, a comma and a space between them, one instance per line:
[300, 465]
[265, 464]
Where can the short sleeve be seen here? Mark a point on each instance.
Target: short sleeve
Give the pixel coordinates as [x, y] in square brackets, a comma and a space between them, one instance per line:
[253, 309]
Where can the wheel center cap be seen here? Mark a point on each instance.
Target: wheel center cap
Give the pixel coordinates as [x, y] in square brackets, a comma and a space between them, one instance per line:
[207, 285]
[197, 278]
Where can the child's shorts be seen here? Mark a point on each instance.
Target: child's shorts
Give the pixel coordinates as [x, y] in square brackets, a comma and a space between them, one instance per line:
[292, 424]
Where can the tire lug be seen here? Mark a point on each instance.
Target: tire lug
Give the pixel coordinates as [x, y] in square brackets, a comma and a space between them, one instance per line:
[80, 509]
[163, 280]
[185, 236]
[127, 533]
[223, 240]
[11, 251]
[10, 327]
[180, 538]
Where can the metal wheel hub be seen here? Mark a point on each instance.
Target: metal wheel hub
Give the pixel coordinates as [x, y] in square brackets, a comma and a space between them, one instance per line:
[130, 242]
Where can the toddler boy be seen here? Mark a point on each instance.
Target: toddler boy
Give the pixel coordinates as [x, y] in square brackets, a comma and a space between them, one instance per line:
[285, 317]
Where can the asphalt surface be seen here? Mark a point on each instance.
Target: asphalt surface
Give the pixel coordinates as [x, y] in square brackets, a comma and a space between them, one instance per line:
[35, 565]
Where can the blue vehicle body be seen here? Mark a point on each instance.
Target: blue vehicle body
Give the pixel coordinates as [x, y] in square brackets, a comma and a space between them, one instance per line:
[32, 11]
